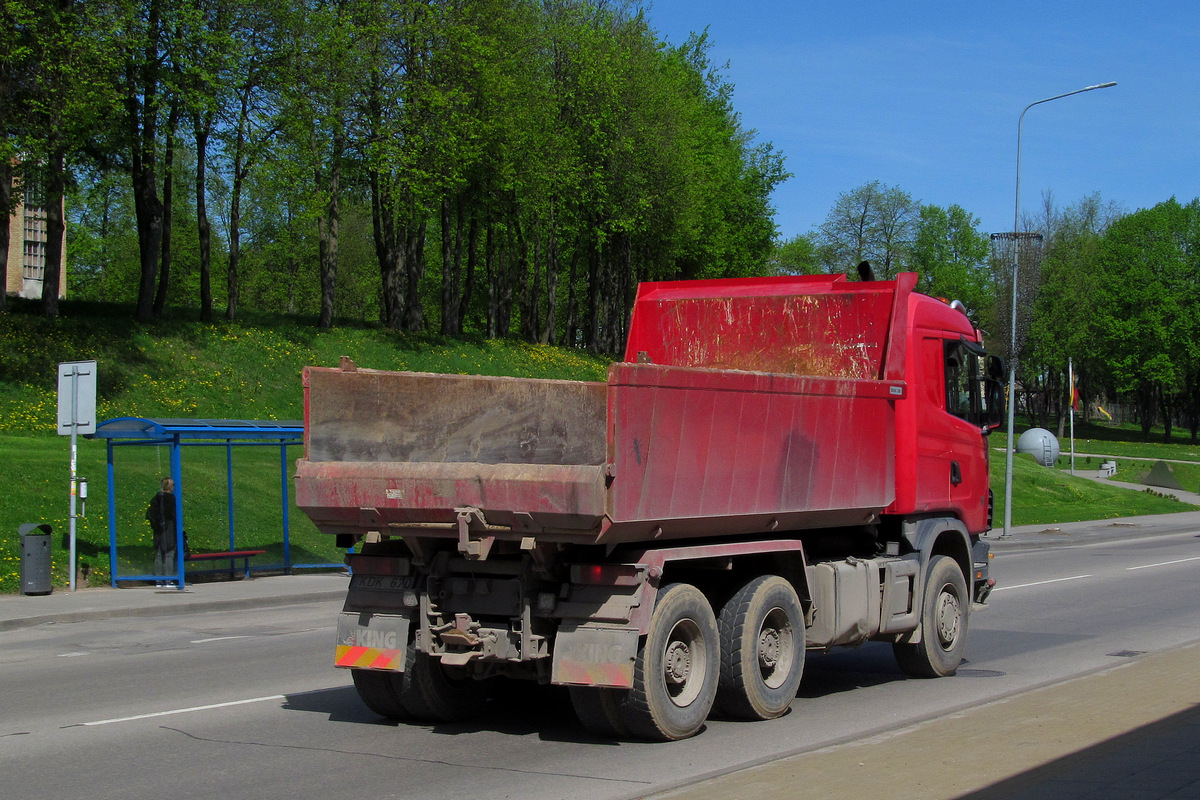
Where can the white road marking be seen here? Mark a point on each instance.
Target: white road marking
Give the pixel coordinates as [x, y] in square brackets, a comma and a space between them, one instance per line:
[218, 639]
[1040, 583]
[186, 710]
[1164, 563]
[71, 655]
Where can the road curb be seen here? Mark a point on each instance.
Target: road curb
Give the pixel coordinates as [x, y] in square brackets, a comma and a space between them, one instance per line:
[189, 607]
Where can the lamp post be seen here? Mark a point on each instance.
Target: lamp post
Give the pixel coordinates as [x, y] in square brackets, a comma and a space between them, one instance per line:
[1012, 352]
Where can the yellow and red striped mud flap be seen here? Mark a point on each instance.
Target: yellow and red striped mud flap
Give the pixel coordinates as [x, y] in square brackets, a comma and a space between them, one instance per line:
[369, 658]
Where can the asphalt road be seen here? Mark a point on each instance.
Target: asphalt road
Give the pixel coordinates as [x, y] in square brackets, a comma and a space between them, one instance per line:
[245, 703]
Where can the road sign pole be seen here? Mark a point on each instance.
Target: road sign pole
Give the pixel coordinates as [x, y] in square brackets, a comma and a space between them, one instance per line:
[76, 414]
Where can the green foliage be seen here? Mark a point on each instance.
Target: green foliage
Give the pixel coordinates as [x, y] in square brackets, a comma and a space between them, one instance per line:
[950, 255]
[1148, 308]
[796, 256]
[557, 152]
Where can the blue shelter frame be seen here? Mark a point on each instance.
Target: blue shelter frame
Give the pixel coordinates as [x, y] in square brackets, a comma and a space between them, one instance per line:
[178, 433]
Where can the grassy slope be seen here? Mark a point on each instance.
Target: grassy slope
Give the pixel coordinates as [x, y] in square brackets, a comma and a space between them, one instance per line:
[221, 370]
[252, 371]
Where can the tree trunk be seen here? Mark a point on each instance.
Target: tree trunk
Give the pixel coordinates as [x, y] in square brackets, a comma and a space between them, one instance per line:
[6, 201]
[387, 251]
[149, 212]
[164, 271]
[55, 225]
[571, 327]
[327, 229]
[414, 271]
[142, 106]
[203, 127]
[1145, 408]
[525, 276]
[468, 286]
[493, 283]
[452, 243]
[547, 334]
[591, 334]
[1166, 403]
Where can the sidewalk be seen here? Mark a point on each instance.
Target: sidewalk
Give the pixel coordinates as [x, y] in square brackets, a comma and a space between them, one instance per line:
[17, 611]
[1129, 733]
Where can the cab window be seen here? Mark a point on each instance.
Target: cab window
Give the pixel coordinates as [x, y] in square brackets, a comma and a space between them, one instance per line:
[962, 382]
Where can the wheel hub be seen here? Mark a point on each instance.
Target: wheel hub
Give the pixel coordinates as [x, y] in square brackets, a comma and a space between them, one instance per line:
[677, 664]
[768, 648]
[948, 619]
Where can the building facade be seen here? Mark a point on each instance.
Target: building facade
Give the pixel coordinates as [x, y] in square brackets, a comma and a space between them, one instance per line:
[27, 248]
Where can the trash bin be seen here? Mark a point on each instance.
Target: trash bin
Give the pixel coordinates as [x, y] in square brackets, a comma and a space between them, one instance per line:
[35, 558]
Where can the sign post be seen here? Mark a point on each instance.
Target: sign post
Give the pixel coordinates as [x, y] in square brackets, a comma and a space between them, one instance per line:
[76, 415]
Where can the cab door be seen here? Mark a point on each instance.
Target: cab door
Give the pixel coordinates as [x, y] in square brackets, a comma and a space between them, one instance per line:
[965, 439]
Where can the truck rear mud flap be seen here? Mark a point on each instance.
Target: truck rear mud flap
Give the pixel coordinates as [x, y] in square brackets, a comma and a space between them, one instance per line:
[366, 640]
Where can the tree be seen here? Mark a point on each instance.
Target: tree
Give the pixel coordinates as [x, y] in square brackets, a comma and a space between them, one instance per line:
[250, 128]
[796, 256]
[203, 63]
[873, 223]
[56, 72]
[1062, 323]
[319, 49]
[1146, 312]
[144, 40]
[950, 254]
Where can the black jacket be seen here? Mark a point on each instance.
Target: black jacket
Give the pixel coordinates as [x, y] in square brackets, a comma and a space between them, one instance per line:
[161, 514]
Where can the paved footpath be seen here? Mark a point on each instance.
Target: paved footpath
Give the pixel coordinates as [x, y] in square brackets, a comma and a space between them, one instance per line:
[1128, 733]
[1131, 732]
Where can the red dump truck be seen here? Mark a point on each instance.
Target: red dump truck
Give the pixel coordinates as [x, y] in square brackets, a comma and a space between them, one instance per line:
[779, 465]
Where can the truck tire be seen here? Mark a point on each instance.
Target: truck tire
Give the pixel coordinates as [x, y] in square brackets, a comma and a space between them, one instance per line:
[675, 674]
[433, 693]
[596, 707]
[762, 649]
[380, 691]
[945, 610]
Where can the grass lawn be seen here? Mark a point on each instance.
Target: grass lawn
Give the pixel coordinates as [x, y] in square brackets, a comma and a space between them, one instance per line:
[1042, 495]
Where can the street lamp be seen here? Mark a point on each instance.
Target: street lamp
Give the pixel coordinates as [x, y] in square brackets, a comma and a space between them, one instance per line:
[1012, 352]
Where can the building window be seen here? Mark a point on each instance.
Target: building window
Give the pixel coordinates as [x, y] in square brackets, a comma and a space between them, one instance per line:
[33, 261]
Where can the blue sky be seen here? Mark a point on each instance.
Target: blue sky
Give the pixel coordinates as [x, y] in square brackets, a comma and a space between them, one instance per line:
[926, 96]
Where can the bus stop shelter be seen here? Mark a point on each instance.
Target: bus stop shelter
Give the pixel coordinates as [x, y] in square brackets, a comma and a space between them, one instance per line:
[177, 434]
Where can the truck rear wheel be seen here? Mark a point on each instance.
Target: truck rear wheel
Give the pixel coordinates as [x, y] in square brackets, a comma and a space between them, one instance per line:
[945, 609]
[596, 707]
[380, 691]
[434, 693]
[762, 649]
[675, 674]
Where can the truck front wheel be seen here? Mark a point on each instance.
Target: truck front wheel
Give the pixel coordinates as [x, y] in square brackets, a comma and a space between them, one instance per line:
[945, 609]
[675, 674]
[762, 649]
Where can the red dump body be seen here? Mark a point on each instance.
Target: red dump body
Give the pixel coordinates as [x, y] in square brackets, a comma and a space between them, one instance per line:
[742, 406]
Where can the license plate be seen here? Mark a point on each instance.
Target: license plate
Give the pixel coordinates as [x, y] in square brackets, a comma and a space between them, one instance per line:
[382, 583]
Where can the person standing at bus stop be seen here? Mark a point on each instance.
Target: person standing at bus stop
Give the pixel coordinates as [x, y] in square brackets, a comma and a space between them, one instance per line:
[161, 515]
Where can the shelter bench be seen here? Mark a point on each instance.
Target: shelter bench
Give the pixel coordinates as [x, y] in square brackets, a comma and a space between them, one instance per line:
[232, 555]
